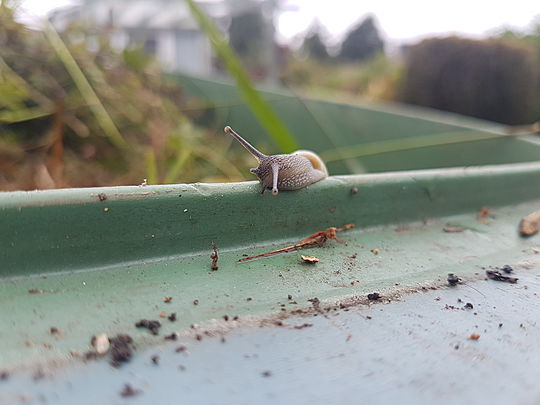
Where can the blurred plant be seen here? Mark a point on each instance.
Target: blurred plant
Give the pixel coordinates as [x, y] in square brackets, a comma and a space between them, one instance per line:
[362, 42]
[74, 117]
[374, 79]
[492, 79]
[259, 107]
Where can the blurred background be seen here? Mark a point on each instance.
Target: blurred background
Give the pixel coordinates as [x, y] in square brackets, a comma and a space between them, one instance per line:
[100, 92]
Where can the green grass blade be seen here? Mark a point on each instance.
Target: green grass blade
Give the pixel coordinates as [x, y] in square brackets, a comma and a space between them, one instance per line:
[397, 145]
[104, 119]
[259, 107]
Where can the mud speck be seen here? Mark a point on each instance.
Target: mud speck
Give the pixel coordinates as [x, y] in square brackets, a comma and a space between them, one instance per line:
[167, 300]
[172, 336]
[155, 359]
[102, 196]
[498, 276]
[304, 325]
[35, 291]
[121, 349]
[266, 373]
[128, 391]
[152, 326]
[453, 279]
[468, 305]
[507, 269]
[195, 302]
[172, 317]
[474, 336]
[374, 296]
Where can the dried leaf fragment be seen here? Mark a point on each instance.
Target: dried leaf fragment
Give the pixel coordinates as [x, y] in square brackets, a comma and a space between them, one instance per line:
[310, 259]
[530, 224]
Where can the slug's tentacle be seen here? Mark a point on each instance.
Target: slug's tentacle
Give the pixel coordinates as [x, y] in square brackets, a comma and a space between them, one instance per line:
[275, 176]
[250, 148]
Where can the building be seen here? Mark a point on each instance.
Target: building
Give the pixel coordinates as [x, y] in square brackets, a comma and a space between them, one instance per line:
[164, 28]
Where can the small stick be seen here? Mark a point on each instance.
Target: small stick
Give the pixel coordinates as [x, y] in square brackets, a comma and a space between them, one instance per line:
[316, 239]
[214, 256]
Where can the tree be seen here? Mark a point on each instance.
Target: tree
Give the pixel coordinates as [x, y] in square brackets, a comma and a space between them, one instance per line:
[362, 42]
[314, 46]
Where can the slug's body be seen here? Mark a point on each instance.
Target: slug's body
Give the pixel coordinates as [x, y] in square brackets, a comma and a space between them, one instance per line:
[284, 172]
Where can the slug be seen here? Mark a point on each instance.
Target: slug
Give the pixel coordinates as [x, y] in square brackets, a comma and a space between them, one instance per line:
[284, 172]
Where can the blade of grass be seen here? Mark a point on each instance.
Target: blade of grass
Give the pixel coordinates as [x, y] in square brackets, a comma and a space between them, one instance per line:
[104, 119]
[417, 142]
[151, 167]
[259, 107]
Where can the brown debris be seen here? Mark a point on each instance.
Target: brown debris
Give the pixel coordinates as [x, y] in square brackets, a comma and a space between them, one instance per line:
[129, 391]
[304, 325]
[167, 299]
[214, 256]
[453, 279]
[375, 251]
[35, 291]
[474, 336]
[498, 276]
[316, 239]
[530, 224]
[374, 296]
[482, 215]
[163, 314]
[453, 229]
[122, 349]
[172, 317]
[102, 196]
[310, 259]
[152, 326]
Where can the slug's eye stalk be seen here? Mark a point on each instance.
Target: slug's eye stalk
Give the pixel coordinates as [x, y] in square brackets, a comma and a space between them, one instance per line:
[284, 172]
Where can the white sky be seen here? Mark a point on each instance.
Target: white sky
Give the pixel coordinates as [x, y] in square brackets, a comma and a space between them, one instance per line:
[400, 20]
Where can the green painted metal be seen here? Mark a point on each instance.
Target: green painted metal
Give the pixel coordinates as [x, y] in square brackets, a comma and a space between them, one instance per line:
[323, 126]
[95, 260]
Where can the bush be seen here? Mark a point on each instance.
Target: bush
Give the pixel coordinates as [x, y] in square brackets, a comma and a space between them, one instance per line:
[493, 79]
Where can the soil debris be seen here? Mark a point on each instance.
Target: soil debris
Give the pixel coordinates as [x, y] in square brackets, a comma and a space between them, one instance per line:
[374, 296]
[155, 359]
[375, 251]
[172, 336]
[310, 259]
[316, 303]
[530, 224]
[482, 215]
[453, 229]
[181, 349]
[474, 336]
[498, 276]
[316, 239]
[167, 300]
[121, 349]
[214, 256]
[289, 297]
[35, 291]
[172, 317]
[102, 196]
[453, 279]
[129, 391]
[468, 305]
[195, 302]
[152, 326]
[304, 325]
[507, 269]
[266, 373]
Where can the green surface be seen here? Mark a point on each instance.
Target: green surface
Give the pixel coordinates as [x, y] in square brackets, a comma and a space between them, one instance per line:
[102, 270]
[329, 128]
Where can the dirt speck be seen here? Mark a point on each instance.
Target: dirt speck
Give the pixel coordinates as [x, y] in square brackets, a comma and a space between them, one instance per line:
[474, 336]
[374, 296]
[167, 300]
[172, 317]
[453, 279]
[121, 349]
[152, 326]
[304, 325]
[155, 359]
[102, 196]
[468, 305]
[35, 291]
[498, 276]
[375, 251]
[453, 229]
[266, 373]
[128, 391]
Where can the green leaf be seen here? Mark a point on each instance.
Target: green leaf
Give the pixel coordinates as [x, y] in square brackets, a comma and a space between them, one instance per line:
[259, 107]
